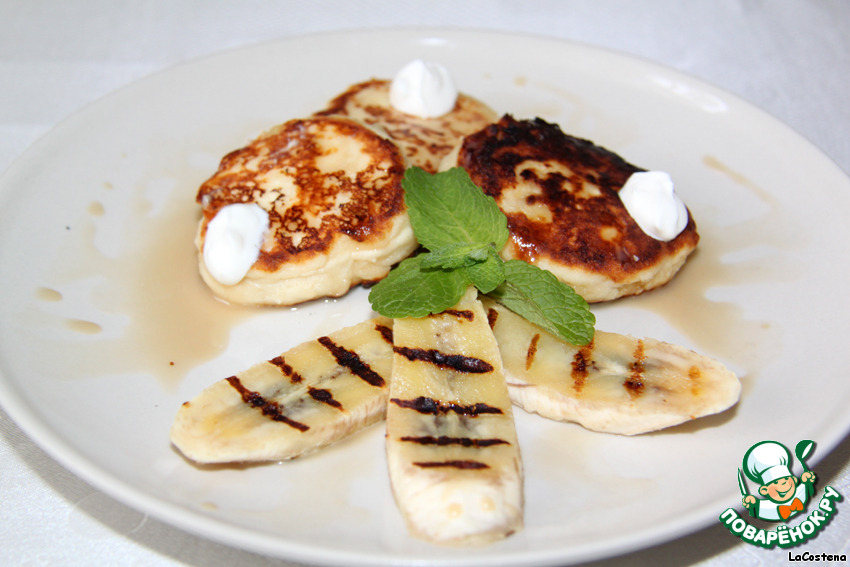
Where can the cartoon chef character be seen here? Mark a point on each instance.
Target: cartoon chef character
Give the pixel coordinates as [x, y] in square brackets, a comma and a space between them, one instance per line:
[768, 464]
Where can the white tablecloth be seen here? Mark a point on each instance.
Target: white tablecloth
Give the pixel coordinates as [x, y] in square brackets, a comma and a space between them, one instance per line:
[791, 58]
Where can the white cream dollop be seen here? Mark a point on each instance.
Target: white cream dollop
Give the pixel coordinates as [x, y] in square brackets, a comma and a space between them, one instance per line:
[424, 89]
[651, 200]
[232, 242]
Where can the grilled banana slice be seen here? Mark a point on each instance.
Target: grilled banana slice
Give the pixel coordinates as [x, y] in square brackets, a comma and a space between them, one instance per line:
[616, 384]
[312, 395]
[452, 450]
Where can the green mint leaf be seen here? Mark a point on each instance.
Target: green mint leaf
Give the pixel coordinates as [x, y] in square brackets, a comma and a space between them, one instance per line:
[489, 274]
[455, 256]
[463, 230]
[447, 208]
[412, 291]
[538, 296]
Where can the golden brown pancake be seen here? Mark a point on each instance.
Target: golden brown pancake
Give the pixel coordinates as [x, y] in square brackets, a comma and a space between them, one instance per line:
[564, 214]
[332, 189]
[424, 141]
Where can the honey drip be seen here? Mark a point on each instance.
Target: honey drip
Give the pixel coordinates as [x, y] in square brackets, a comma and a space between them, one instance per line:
[717, 327]
[152, 312]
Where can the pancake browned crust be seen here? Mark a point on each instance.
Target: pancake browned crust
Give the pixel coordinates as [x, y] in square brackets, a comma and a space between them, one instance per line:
[564, 214]
[332, 190]
[424, 141]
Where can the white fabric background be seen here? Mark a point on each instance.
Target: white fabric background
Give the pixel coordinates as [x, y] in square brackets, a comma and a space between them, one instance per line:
[789, 57]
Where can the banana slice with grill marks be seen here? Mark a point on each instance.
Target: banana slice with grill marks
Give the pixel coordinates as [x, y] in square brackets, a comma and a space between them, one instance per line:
[311, 396]
[452, 450]
[615, 384]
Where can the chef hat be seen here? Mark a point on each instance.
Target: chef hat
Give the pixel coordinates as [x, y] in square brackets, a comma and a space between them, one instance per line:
[767, 461]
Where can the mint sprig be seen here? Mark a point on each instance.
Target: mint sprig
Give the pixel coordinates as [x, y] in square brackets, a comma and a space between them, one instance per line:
[447, 209]
[413, 291]
[463, 230]
[538, 296]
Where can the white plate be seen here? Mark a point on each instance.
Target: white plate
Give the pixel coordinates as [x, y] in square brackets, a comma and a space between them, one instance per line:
[106, 328]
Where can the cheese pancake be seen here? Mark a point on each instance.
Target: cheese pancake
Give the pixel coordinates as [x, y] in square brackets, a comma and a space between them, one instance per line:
[424, 141]
[332, 190]
[560, 194]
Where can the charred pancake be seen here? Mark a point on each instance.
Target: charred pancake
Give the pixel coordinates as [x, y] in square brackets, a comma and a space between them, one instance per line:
[424, 141]
[332, 191]
[560, 194]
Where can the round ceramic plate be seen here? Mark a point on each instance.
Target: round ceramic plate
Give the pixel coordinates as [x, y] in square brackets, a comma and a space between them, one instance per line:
[106, 328]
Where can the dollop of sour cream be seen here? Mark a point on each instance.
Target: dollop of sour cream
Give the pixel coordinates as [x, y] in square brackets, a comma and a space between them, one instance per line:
[651, 200]
[233, 239]
[424, 89]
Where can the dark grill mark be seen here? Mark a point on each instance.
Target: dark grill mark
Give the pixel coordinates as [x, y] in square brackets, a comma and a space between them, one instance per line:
[386, 333]
[532, 351]
[324, 396]
[287, 370]
[464, 314]
[581, 362]
[434, 407]
[351, 360]
[444, 440]
[492, 317]
[456, 362]
[270, 409]
[466, 465]
[634, 383]
[695, 374]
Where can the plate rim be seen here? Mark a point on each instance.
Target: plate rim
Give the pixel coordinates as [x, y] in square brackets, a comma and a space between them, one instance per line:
[48, 440]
